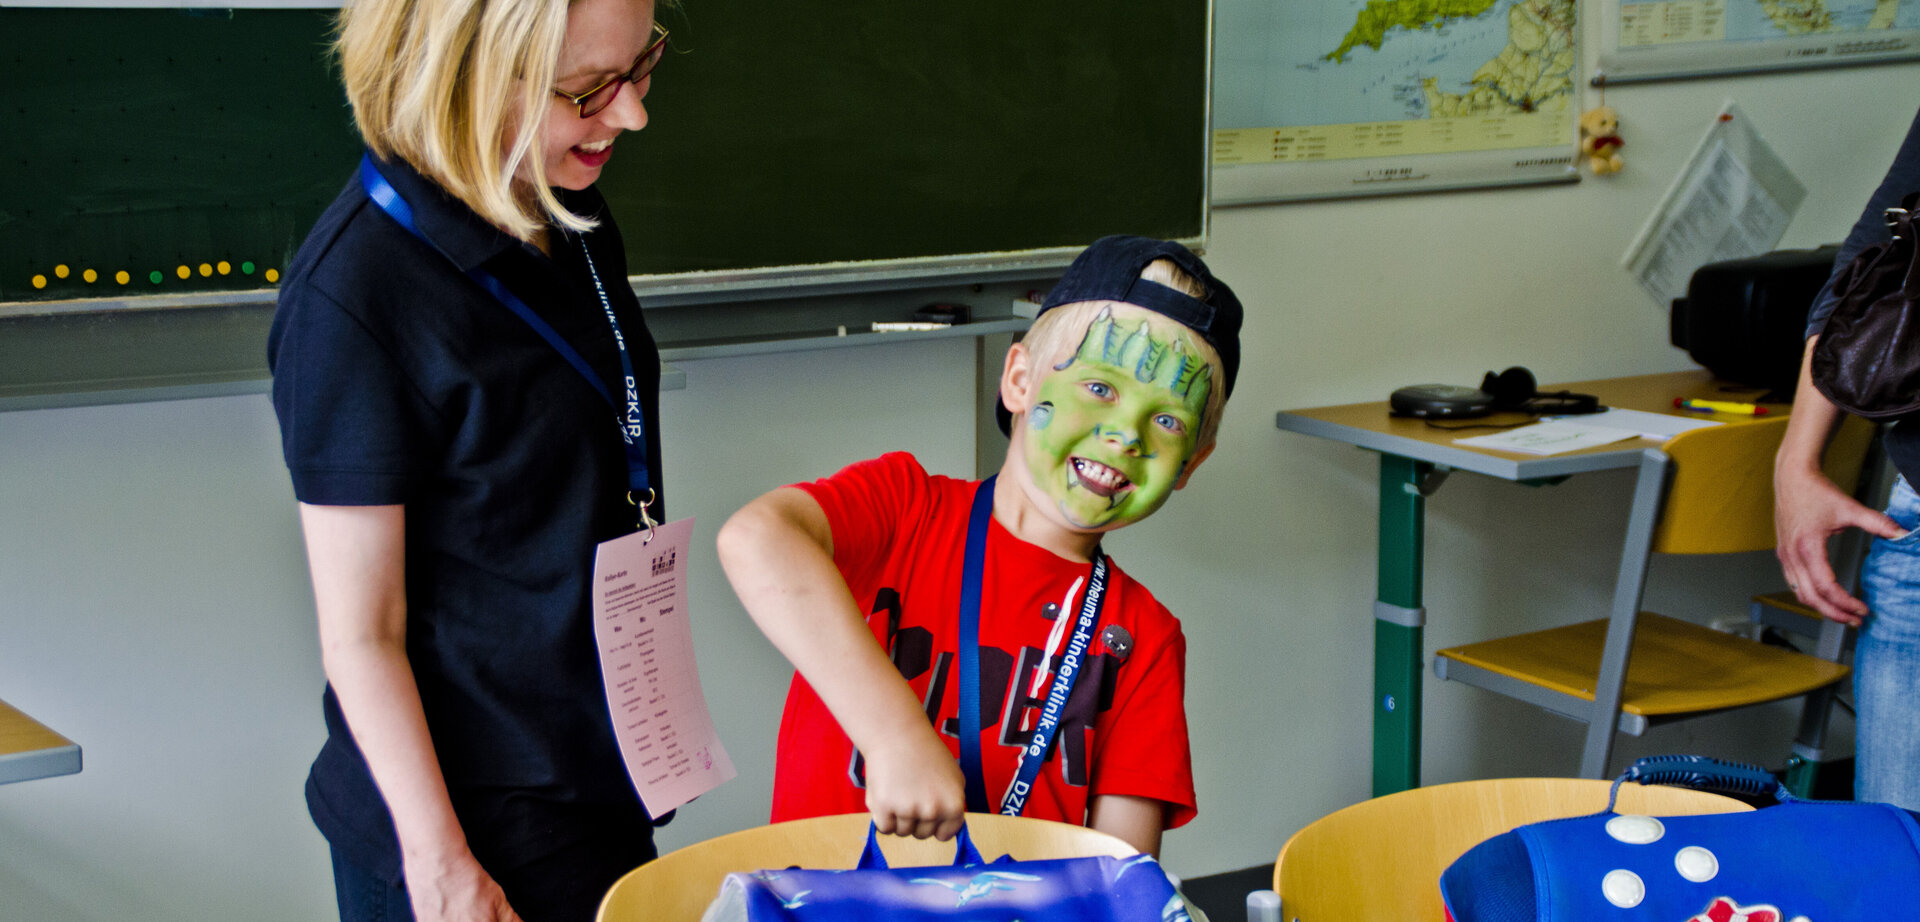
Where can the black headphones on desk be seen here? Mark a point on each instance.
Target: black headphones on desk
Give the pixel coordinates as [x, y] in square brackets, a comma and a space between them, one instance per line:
[1512, 390]
[1515, 389]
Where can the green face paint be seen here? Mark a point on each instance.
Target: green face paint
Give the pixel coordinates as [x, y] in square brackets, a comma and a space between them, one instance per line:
[1114, 426]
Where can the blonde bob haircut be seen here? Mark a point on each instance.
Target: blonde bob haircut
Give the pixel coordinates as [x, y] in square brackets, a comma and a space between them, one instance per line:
[1058, 332]
[459, 89]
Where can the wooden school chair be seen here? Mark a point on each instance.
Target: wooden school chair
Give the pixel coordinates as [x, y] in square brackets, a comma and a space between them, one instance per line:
[1381, 859]
[677, 886]
[1636, 669]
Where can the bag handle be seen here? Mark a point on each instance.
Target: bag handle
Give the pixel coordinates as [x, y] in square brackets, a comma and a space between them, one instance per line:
[1702, 774]
[871, 858]
[1900, 231]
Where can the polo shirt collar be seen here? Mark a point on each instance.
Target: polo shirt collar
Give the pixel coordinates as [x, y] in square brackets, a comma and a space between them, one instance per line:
[452, 227]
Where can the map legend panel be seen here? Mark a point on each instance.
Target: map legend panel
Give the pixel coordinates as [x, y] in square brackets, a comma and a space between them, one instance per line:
[1387, 139]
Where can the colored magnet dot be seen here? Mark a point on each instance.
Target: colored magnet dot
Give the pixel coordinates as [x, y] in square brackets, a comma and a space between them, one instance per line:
[39, 281]
[183, 272]
[246, 268]
[223, 267]
[90, 276]
[273, 275]
[1635, 830]
[60, 271]
[206, 270]
[122, 277]
[155, 276]
[1696, 864]
[1623, 888]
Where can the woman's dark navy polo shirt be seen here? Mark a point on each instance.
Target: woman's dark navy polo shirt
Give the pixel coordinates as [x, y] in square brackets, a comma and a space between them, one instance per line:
[398, 380]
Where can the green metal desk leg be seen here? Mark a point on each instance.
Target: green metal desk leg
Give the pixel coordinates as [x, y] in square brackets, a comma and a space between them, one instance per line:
[1399, 625]
[1801, 776]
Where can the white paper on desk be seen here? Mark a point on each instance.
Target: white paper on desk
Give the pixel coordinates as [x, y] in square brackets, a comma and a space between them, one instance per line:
[660, 716]
[1657, 426]
[1549, 438]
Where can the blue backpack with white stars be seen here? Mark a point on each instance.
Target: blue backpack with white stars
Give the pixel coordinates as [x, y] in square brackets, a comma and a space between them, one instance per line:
[1097, 889]
[1797, 861]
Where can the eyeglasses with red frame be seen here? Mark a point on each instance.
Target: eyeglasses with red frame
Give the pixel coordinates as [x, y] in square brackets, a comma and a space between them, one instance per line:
[602, 95]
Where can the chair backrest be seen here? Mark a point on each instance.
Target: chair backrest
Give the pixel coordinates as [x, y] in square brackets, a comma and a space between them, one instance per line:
[677, 886]
[1720, 499]
[1382, 858]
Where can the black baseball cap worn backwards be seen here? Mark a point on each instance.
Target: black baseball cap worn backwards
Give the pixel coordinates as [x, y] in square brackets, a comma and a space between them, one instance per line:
[1109, 270]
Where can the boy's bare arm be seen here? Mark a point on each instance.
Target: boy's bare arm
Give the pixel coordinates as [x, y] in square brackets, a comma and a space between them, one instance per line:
[777, 552]
[1138, 820]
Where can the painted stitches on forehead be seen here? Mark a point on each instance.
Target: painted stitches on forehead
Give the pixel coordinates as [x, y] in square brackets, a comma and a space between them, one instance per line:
[1173, 364]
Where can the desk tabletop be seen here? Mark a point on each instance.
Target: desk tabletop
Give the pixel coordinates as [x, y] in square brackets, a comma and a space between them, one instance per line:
[30, 749]
[1371, 425]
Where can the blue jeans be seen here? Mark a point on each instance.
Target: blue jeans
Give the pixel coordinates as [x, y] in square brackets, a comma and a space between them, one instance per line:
[1886, 663]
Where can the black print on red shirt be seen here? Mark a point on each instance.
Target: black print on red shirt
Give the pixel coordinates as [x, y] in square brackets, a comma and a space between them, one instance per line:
[911, 651]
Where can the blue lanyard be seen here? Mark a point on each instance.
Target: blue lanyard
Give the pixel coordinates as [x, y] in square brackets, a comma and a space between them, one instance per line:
[631, 423]
[1071, 665]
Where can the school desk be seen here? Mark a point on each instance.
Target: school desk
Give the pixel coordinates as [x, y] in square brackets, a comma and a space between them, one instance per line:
[29, 749]
[1416, 458]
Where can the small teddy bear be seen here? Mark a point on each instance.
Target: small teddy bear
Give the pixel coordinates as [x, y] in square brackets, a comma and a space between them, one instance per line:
[1598, 140]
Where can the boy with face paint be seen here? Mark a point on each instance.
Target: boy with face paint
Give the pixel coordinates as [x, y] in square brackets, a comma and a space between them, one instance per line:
[1076, 674]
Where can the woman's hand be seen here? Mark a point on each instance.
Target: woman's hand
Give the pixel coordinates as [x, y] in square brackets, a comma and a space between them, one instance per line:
[1807, 510]
[455, 889]
[914, 786]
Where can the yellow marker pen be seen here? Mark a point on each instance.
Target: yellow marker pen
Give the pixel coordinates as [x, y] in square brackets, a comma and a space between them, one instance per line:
[1720, 406]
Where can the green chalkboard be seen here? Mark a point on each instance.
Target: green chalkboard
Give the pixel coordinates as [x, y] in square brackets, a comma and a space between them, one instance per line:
[190, 150]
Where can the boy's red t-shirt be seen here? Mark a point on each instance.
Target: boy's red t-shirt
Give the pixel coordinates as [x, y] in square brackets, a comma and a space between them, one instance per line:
[899, 536]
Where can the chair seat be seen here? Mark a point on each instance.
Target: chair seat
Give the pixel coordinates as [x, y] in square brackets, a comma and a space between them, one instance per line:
[1788, 602]
[1677, 667]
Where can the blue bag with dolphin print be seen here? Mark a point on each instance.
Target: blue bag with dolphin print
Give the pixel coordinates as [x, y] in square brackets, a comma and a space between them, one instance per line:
[1097, 889]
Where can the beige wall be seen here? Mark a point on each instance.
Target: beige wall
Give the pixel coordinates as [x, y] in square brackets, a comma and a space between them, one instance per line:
[153, 602]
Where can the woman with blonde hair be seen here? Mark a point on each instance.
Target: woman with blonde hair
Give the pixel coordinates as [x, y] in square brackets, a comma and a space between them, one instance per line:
[468, 404]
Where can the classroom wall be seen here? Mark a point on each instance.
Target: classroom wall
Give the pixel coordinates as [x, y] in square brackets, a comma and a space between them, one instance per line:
[154, 605]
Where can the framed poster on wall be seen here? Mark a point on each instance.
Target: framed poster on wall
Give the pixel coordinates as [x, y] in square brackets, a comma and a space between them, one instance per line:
[1665, 39]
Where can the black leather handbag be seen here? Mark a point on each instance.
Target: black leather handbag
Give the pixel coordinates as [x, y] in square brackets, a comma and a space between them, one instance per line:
[1868, 358]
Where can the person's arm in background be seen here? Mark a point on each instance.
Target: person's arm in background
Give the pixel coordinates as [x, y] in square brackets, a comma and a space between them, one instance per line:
[1809, 508]
[357, 555]
[778, 554]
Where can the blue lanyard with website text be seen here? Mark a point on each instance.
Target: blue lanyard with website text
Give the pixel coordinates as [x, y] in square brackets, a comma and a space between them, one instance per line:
[1072, 661]
[632, 425]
